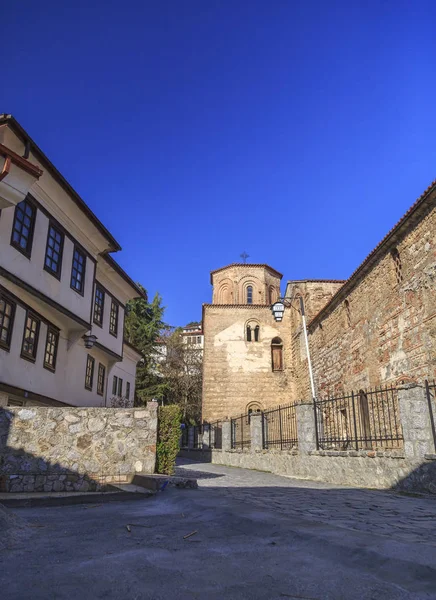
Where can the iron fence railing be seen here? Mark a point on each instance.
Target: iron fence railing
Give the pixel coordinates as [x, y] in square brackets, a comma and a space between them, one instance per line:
[184, 442]
[216, 435]
[198, 442]
[240, 432]
[430, 390]
[366, 420]
[279, 428]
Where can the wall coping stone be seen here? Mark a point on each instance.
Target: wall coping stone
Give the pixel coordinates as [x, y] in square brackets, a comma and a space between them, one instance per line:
[360, 453]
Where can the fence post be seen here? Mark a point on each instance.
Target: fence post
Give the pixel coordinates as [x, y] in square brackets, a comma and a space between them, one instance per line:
[306, 428]
[415, 419]
[227, 435]
[191, 437]
[206, 436]
[256, 432]
[354, 420]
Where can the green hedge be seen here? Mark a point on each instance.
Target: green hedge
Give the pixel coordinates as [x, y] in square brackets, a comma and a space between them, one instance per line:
[168, 438]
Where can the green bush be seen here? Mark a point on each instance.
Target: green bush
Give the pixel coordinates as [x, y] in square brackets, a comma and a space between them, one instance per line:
[168, 438]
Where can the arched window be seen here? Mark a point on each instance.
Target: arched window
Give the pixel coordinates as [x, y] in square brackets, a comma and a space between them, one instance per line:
[277, 354]
[224, 296]
[272, 294]
[249, 294]
[254, 408]
[252, 331]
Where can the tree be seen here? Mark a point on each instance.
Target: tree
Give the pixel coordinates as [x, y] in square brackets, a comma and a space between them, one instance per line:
[143, 327]
[182, 372]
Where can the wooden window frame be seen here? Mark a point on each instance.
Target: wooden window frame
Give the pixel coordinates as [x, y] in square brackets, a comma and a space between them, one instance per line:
[101, 376]
[90, 360]
[7, 344]
[81, 253]
[100, 290]
[26, 355]
[114, 385]
[27, 251]
[277, 347]
[120, 388]
[48, 366]
[127, 390]
[57, 273]
[115, 305]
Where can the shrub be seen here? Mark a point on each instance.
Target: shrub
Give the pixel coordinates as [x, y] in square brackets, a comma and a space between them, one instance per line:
[168, 438]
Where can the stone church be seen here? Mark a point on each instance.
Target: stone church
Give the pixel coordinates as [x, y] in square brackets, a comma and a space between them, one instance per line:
[377, 327]
[248, 356]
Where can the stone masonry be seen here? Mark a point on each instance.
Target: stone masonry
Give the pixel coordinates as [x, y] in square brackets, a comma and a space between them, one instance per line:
[380, 328]
[74, 449]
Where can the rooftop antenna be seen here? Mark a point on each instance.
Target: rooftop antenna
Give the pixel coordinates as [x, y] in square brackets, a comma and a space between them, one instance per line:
[244, 257]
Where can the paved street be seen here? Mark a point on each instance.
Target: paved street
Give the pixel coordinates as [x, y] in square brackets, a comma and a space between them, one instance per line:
[257, 536]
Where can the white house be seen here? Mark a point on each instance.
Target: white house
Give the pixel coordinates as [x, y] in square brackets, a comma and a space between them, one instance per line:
[193, 336]
[59, 287]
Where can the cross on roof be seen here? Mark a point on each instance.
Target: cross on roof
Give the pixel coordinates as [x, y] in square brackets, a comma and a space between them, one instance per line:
[244, 257]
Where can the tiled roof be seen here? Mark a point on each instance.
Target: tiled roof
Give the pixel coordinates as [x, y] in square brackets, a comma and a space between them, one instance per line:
[317, 280]
[361, 269]
[247, 265]
[238, 305]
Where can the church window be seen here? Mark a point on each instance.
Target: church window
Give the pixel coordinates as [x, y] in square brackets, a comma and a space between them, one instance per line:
[277, 354]
[347, 313]
[397, 264]
[249, 294]
[252, 331]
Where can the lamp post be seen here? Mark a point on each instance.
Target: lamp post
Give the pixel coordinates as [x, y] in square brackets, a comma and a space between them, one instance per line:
[278, 309]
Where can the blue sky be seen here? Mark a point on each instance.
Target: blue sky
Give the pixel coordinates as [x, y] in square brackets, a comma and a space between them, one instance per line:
[297, 131]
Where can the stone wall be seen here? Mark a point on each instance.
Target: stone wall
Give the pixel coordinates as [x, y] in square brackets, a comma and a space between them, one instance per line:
[383, 328]
[74, 449]
[237, 373]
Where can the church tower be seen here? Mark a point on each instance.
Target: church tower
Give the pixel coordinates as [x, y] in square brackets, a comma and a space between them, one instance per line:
[247, 363]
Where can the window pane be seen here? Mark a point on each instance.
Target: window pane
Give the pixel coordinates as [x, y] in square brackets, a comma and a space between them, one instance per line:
[22, 234]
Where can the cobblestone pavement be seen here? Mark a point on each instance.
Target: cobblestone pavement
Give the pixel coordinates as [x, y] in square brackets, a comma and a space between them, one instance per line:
[402, 517]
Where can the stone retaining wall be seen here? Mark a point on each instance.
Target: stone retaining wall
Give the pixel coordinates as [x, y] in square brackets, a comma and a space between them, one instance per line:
[369, 470]
[74, 449]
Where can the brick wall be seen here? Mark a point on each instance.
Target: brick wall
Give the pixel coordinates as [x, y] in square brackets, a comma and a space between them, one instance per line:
[383, 330]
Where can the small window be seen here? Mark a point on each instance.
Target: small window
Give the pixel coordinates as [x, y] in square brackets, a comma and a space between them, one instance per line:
[89, 376]
[53, 251]
[51, 349]
[277, 354]
[120, 387]
[98, 305]
[78, 271]
[347, 313]
[248, 333]
[397, 264]
[256, 333]
[127, 390]
[30, 337]
[249, 294]
[113, 320]
[114, 385]
[7, 312]
[22, 229]
[100, 379]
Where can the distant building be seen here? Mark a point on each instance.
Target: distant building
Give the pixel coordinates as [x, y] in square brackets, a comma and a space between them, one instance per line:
[62, 295]
[193, 337]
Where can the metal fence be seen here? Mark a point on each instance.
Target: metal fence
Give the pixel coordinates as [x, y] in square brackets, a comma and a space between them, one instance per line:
[430, 390]
[279, 428]
[198, 442]
[184, 442]
[216, 435]
[366, 420]
[241, 432]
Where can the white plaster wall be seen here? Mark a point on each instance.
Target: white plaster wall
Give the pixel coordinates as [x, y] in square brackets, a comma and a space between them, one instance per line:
[104, 336]
[126, 369]
[32, 271]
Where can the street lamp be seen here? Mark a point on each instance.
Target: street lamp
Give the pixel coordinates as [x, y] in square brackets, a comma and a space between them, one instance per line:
[278, 309]
[89, 341]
